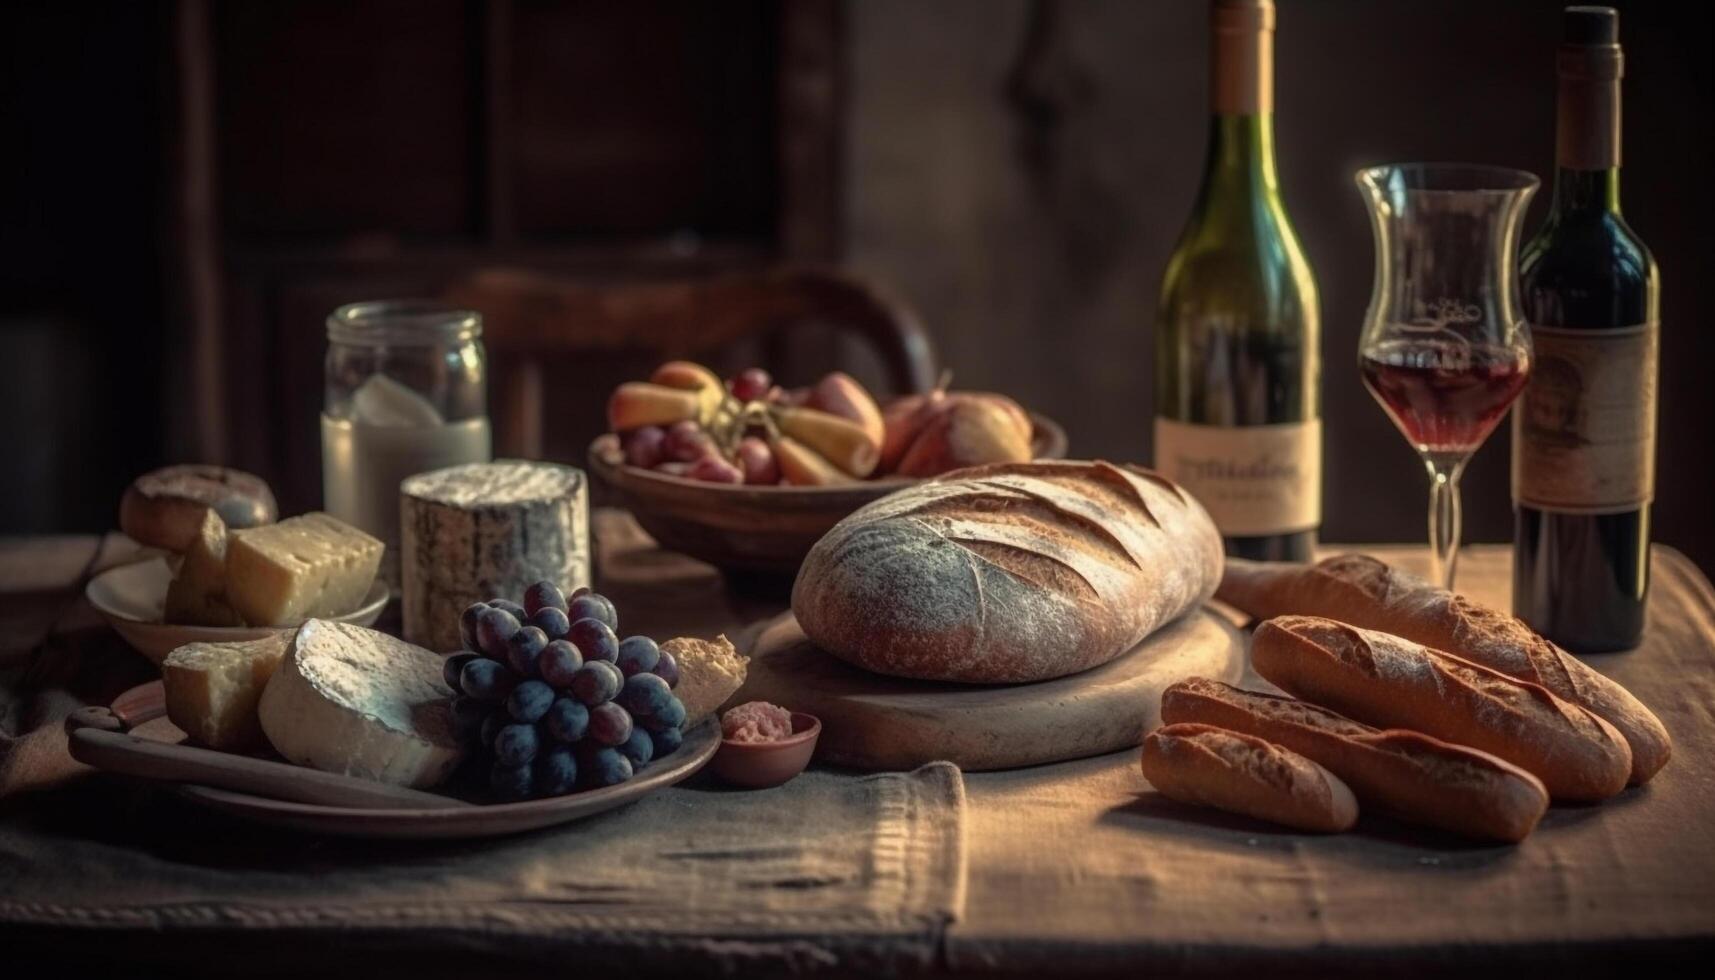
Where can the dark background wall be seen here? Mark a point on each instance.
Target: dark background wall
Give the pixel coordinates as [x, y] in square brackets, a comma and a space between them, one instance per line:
[1018, 169]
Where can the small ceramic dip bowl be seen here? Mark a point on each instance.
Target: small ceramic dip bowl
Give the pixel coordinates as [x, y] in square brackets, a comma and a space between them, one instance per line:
[759, 765]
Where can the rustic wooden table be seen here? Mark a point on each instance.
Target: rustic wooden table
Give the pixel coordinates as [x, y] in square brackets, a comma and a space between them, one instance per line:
[1076, 868]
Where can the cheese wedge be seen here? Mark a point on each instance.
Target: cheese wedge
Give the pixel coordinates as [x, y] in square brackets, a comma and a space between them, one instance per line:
[213, 689]
[313, 565]
[197, 594]
[710, 672]
[361, 703]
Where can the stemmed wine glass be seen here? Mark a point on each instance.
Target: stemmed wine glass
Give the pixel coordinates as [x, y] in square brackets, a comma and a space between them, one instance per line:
[1445, 349]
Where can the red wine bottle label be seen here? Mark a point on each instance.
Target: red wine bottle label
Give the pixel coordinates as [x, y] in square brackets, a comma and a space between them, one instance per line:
[1254, 480]
[1584, 429]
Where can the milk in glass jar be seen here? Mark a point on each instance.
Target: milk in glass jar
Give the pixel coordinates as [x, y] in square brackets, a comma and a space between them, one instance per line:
[407, 392]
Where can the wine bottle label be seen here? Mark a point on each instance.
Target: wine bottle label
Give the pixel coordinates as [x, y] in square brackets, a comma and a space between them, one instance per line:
[1254, 480]
[1584, 429]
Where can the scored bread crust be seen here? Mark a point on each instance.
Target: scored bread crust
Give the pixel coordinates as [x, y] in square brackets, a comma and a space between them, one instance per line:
[1368, 593]
[1384, 680]
[1408, 775]
[1008, 573]
[1240, 773]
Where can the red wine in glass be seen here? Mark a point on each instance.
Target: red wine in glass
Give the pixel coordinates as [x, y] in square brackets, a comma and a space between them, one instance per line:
[1445, 395]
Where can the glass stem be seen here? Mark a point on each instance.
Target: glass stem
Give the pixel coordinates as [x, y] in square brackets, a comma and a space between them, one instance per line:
[1444, 517]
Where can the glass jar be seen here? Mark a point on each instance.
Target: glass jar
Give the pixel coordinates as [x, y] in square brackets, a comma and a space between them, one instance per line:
[406, 392]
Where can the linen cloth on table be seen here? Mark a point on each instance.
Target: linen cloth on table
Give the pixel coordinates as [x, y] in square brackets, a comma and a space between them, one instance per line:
[827, 868]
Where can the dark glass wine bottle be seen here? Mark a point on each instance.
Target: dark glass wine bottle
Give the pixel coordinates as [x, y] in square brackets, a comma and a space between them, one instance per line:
[1238, 367]
[1584, 432]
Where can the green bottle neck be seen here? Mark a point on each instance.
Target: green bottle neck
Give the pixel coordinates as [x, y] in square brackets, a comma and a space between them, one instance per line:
[1238, 171]
[1586, 191]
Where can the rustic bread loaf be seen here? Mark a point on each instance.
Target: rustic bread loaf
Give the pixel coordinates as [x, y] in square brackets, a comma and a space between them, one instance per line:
[1367, 593]
[1407, 775]
[1381, 679]
[1209, 766]
[1008, 573]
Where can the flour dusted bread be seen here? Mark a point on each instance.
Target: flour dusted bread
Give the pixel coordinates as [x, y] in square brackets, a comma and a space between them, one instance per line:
[1384, 680]
[1244, 774]
[1362, 591]
[1407, 775]
[1008, 573]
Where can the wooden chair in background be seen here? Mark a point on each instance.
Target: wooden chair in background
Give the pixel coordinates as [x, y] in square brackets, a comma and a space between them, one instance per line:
[530, 317]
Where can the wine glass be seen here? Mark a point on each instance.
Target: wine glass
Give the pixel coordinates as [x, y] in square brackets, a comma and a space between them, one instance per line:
[1445, 349]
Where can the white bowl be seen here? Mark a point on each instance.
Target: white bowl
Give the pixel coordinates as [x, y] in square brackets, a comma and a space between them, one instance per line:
[131, 597]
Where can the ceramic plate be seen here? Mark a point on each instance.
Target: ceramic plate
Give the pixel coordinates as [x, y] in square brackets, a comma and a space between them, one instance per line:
[141, 710]
[130, 598]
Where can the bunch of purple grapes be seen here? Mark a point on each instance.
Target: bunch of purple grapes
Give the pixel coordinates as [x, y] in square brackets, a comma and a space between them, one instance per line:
[554, 699]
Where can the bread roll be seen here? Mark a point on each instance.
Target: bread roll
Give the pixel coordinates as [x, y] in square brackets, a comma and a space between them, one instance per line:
[1364, 592]
[1407, 775]
[1383, 680]
[1008, 573]
[165, 508]
[1243, 774]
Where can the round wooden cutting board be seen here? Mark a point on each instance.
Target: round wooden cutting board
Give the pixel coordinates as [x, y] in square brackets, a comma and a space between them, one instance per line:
[874, 722]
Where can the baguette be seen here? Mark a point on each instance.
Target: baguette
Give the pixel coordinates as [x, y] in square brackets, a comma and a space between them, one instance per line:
[1239, 773]
[1364, 592]
[1383, 680]
[1008, 573]
[1407, 775]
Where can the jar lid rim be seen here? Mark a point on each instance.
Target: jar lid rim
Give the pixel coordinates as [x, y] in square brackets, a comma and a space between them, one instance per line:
[402, 321]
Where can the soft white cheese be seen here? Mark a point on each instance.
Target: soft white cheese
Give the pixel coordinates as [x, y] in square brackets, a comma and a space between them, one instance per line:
[313, 565]
[354, 701]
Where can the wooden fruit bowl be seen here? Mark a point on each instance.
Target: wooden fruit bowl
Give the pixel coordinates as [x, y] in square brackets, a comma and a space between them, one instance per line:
[755, 530]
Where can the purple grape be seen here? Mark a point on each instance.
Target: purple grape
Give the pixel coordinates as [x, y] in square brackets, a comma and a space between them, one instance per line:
[644, 446]
[637, 655]
[567, 720]
[559, 663]
[556, 772]
[468, 716]
[593, 606]
[605, 767]
[529, 701]
[524, 648]
[491, 726]
[667, 669]
[639, 748]
[467, 625]
[580, 590]
[671, 716]
[643, 694]
[552, 622]
[515, 745]
[609, 724]
[453, 666]
[487, 680]
[494, 628]
[543, 595]
[594, 640]
[511, 782]
[514, 608]
[666, 741]
[596, 682]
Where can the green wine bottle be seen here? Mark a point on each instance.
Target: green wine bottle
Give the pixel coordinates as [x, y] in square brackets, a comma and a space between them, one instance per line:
[1238, 363]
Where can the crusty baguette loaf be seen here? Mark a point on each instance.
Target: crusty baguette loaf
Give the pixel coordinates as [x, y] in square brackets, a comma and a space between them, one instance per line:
[1008, 573]
[1381, 679]
[1364, 592]
[1407, 775]
[1240, 773]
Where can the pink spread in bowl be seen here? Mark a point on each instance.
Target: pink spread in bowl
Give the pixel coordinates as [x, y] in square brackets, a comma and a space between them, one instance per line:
[756, 721]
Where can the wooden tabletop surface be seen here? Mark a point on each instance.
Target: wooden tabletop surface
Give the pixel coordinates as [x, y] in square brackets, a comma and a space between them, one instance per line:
[1078, 869]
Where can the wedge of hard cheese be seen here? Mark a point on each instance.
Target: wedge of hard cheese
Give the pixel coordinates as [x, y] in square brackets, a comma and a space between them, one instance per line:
[197, 594]
[213, 689]
[313, 565]
[361, 703]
